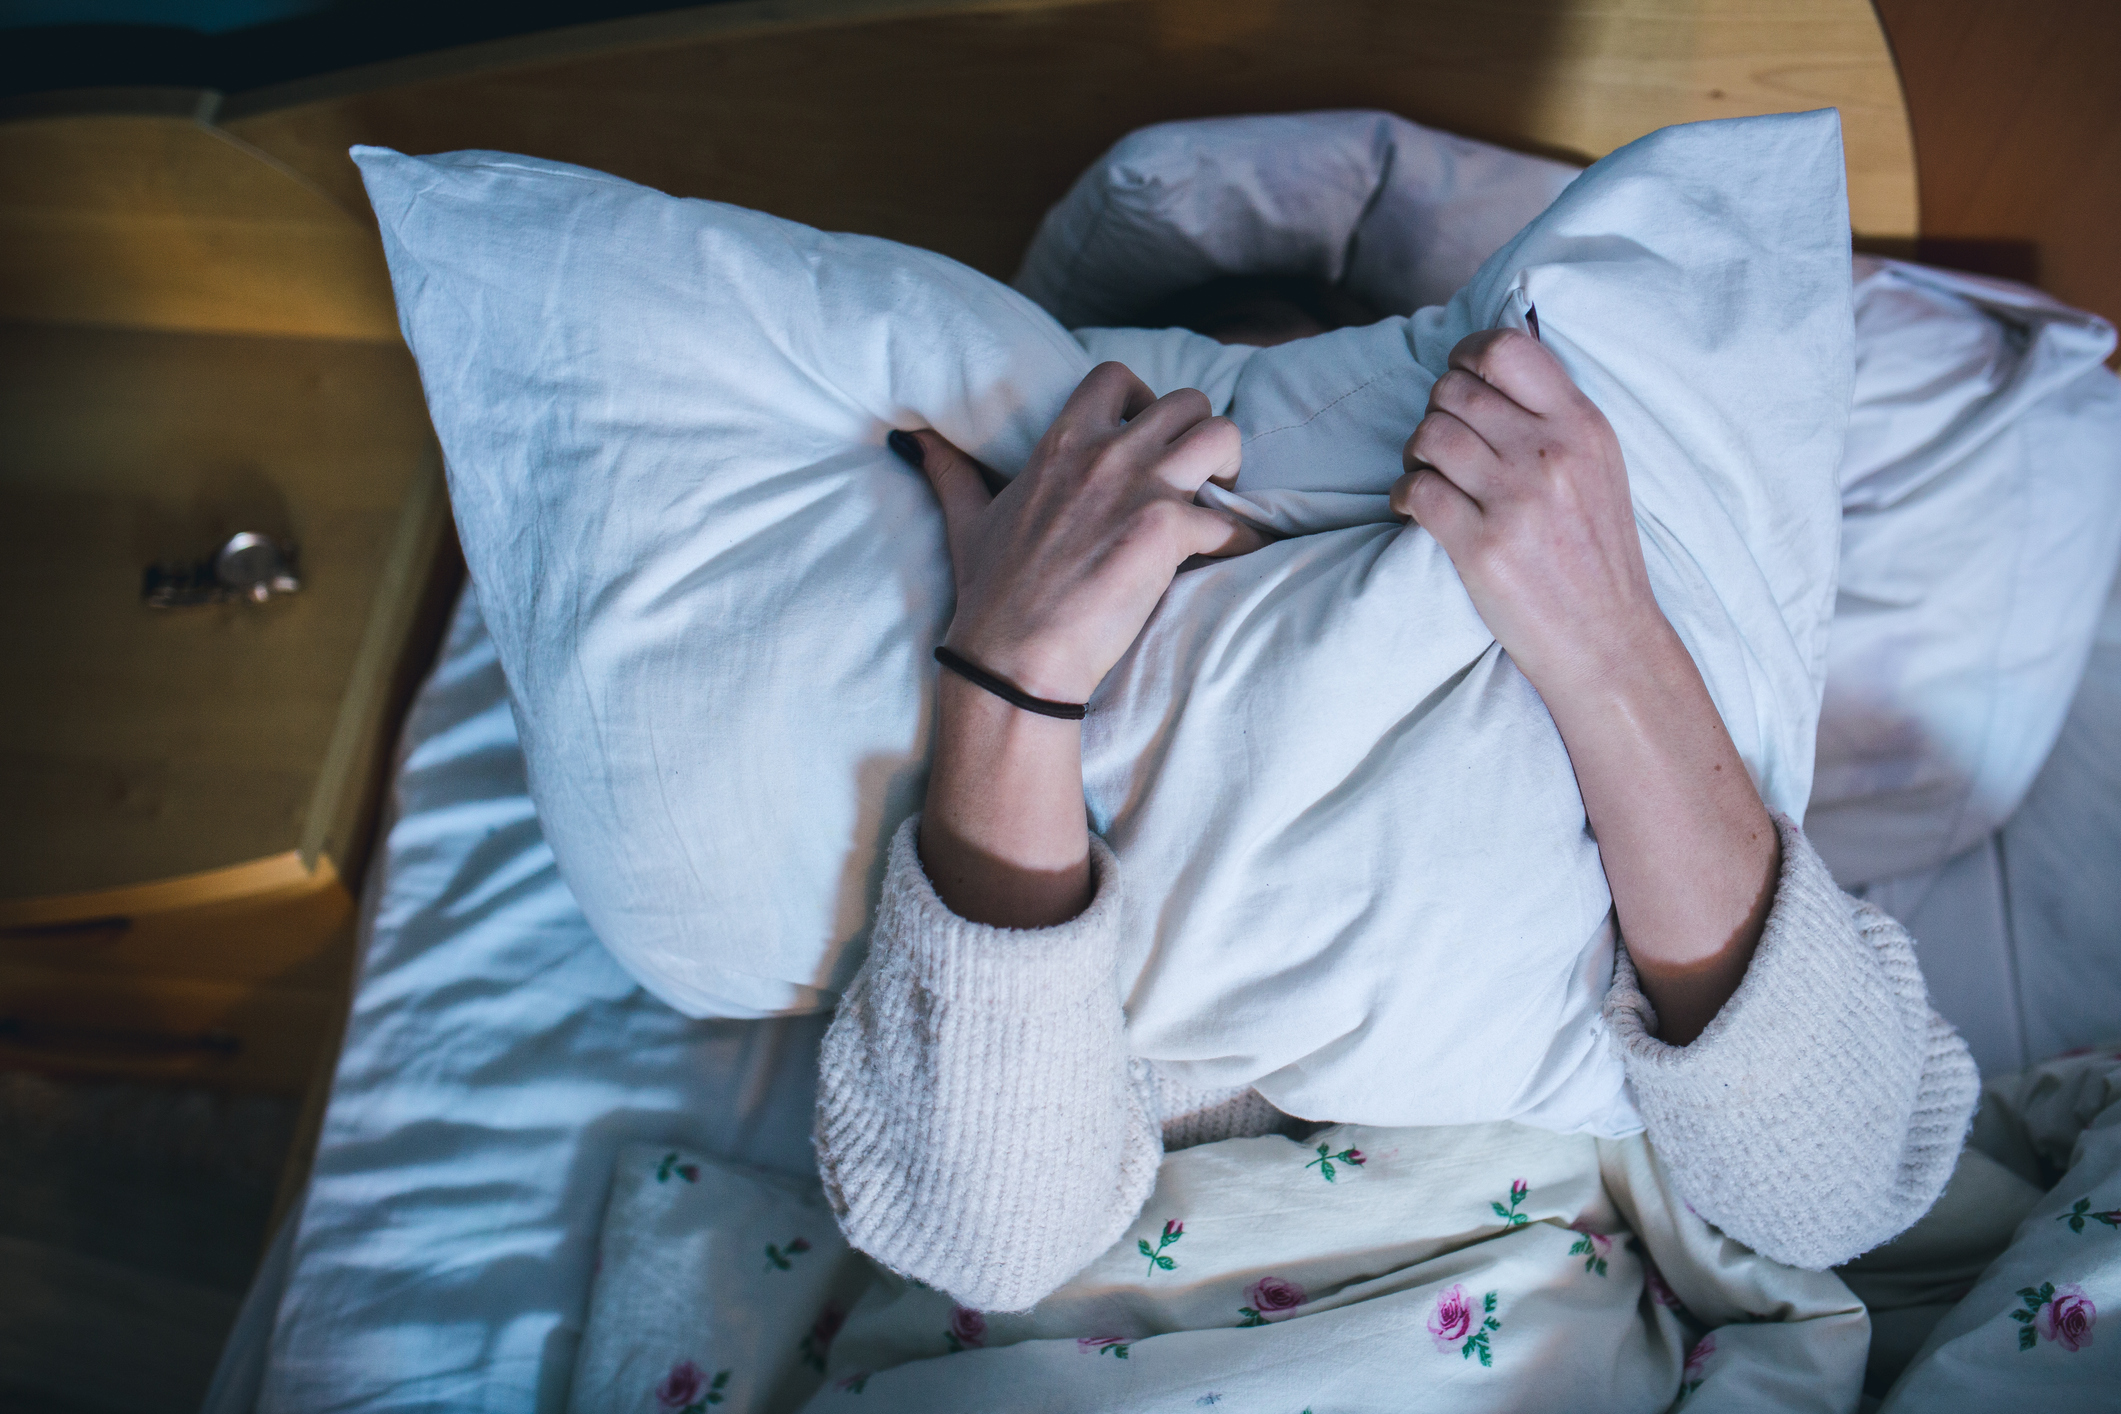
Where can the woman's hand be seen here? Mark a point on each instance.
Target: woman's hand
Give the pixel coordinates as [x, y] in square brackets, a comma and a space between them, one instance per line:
[1058, 573]
[1055, 577]
[1520, 479]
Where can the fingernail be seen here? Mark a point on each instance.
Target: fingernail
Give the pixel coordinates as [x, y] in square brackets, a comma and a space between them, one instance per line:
[907, 446]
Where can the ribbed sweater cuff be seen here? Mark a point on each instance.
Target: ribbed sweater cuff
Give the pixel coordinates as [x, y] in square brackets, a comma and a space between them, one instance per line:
[1823, 1108]
[1034, 971]
[977, 1127]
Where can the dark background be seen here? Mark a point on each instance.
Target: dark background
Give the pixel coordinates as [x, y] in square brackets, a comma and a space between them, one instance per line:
[233, 45]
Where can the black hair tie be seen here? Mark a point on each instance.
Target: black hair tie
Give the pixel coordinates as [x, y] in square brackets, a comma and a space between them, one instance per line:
[1008, 691]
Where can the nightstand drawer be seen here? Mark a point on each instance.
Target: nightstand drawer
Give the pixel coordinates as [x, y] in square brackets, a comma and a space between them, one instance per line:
[195, 344]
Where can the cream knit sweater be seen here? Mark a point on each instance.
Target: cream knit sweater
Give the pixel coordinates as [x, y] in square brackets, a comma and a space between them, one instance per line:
[981, 1127]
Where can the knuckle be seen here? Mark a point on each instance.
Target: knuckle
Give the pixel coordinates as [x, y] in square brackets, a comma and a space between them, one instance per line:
[1436, 437]
[1192, 402]
[1425, 488]
[1158, 519]
[1221, 435]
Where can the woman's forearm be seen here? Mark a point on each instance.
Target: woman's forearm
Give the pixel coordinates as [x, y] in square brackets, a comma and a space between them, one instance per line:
[1690, 852]
[1055, 576]
[1519, 477]
[1004, 837]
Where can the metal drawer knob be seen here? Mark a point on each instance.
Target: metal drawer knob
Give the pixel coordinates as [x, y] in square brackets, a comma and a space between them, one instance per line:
[248, 566]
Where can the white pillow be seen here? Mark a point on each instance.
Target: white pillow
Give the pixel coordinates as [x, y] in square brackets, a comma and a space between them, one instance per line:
[1359, 874]
[1981, 480]
[1981, 495]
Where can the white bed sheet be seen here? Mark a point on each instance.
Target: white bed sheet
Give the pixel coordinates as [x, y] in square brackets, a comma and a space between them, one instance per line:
[496, 1059]
[2020, 936]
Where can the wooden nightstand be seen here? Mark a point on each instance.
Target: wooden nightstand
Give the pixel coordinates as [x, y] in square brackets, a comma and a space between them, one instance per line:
[194, 342]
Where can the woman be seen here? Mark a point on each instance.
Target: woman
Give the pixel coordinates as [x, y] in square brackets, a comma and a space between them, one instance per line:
[981, 1127]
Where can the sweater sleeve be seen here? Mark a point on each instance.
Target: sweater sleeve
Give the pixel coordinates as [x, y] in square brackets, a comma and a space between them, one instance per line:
[979, 1127]
[1822, 1110]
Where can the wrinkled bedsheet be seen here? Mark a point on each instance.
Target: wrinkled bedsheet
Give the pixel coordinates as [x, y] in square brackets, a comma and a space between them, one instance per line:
[495, 1061]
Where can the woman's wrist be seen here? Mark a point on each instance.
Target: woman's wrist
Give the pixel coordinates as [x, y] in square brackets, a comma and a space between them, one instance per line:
[1004, 837]
[1027, 667]
[1690, 851]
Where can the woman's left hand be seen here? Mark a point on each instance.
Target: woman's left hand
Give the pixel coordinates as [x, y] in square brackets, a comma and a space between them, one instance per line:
[1519, 477]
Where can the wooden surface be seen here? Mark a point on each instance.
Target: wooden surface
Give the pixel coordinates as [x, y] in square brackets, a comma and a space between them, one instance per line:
[164, 222]
[194, 341]
[241, 987]
[955, 126]
[138, 744]
[2016, 111]
[102, 1335]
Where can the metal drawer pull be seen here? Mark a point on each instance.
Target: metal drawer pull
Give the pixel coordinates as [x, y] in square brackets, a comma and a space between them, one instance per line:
[248, 566]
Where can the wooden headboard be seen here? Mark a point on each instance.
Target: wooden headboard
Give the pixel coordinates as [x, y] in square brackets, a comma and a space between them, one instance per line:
[951, 124]
[2016, 111]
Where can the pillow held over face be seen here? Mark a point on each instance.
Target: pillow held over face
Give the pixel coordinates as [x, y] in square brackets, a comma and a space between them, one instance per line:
[1357, 870]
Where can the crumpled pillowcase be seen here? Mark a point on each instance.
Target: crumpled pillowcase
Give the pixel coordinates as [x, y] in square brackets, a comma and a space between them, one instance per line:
[1358, 873]
[1981, 524]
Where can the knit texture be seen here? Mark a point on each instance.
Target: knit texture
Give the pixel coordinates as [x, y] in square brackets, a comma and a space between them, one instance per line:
[1191, 1116]
[982, 1129]
[979, 1127]
[1822, 1110]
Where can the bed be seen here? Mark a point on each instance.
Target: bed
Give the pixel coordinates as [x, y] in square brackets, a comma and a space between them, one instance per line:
[496, 1058]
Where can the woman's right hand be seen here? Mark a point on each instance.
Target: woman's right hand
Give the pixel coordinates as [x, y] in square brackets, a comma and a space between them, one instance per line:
[1055, 577]
[1057, 574]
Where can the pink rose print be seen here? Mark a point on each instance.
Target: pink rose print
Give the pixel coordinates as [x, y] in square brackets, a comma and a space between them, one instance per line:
[687, 1389]
[2067, 1321]
[2062, 1314]
[681, 1386]
[1510, 1216]
[1456, 1324]
[1452, 1319]
[1270, 1297]
[1697, 1359]
[968, 1329]
[1114, 1345]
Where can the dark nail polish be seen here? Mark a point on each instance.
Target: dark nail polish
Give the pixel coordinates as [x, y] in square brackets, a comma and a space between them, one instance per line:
[907, 446]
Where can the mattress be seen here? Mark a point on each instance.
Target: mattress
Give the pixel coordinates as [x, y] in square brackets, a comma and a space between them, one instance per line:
[495, 1061]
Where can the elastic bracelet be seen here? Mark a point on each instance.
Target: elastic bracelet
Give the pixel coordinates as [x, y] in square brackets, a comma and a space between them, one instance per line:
[1008, 691]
